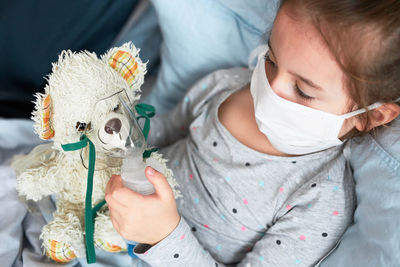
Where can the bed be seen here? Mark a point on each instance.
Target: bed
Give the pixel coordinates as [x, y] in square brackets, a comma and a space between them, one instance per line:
[183, 26]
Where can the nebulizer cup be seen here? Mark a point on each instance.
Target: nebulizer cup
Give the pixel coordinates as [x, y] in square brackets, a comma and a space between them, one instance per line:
[119, 136]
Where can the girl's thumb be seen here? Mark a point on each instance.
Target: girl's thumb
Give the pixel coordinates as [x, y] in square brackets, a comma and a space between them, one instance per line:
[159, 182]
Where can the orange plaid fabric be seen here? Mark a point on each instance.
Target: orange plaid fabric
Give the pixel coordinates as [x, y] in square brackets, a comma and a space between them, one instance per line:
[107, 246]
[125, 64]
[60, 252]
[47, 131]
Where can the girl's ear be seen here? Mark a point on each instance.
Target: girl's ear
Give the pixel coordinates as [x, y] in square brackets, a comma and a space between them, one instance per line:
[380, 116]
[42, 116]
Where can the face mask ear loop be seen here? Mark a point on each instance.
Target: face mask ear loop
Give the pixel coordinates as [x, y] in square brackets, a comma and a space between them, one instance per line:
[362, 110]
[90, 212]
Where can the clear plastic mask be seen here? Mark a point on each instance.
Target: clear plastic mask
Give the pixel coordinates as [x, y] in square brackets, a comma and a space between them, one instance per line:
[116, 133]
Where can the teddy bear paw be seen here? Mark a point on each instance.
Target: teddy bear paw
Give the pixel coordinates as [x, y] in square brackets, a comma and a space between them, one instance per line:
[106, 246]
[60, 252]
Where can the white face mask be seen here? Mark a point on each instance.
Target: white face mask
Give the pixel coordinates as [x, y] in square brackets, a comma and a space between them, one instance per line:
[290, 127]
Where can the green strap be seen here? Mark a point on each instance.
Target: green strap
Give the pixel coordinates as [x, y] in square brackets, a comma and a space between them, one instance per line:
[145, 111]
[89, 212]
[148, 152]
[97, 207]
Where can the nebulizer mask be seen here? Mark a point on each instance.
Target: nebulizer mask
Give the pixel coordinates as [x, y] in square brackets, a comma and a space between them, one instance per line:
[118, 136]
[113, 135]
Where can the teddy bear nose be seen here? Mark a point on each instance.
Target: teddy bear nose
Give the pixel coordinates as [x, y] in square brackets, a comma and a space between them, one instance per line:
[113, 126]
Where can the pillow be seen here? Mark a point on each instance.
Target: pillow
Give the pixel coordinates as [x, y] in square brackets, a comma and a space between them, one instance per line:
[202, 36]
[374, 238]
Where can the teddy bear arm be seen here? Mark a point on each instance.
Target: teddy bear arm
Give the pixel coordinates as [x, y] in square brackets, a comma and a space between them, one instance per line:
[36, 183]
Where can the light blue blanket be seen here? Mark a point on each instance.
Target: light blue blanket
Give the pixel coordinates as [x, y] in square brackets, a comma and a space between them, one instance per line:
[20, 229]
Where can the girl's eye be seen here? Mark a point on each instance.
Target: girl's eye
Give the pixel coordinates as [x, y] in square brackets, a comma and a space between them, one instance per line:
[301, 94]
[268, 60]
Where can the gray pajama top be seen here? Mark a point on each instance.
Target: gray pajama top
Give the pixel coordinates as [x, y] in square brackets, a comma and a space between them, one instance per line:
[241, 207]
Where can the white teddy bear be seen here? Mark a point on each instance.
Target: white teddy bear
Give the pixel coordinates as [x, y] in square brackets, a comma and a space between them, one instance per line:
[77, 102]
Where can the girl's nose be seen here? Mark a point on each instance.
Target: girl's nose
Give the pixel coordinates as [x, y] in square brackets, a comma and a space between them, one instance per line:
[275, 78]
[281, 84]
[277, 84]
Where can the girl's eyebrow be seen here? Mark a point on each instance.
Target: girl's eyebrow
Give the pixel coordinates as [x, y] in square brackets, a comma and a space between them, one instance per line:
[307, 81]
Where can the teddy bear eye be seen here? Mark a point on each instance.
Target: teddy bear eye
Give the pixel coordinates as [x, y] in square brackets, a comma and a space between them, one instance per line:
[116, 108]
[82, 126]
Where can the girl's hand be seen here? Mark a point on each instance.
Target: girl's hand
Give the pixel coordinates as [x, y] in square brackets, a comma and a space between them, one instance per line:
[142, 218]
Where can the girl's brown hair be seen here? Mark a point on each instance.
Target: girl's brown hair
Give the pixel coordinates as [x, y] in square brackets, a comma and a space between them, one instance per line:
[364, 38]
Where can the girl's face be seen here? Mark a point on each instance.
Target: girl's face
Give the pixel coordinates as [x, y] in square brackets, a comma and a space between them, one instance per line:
[300, 68]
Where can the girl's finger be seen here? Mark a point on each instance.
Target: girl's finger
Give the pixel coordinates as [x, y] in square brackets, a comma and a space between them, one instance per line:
[116, 191]
[115, 224]
[117, 215]
[160, 183]
[114, 182]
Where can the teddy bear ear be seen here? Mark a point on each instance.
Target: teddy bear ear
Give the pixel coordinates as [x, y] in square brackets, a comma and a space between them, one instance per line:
[125, 60]
[42, 115]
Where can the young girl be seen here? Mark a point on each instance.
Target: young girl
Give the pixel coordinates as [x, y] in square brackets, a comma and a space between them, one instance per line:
[261, 166]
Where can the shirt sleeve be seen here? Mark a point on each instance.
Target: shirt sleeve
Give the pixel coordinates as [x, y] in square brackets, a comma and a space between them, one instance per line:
[167, 128]
[307, 227]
